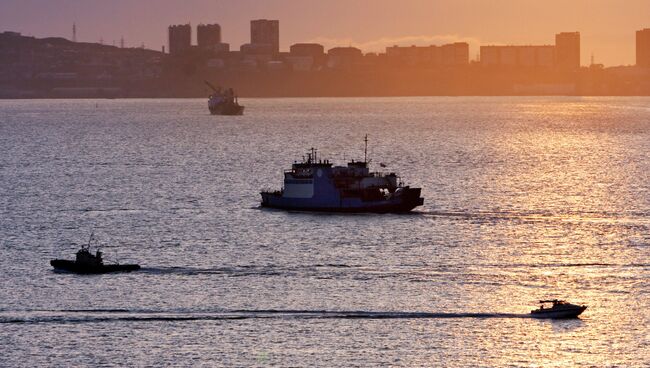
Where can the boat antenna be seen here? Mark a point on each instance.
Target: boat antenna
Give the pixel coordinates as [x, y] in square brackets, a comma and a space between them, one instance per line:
[365, 150]
[90, 239]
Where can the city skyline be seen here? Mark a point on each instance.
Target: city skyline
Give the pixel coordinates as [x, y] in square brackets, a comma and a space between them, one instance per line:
[384, 24]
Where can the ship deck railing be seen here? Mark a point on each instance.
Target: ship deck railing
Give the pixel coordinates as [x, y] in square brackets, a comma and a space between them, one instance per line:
[376, 174]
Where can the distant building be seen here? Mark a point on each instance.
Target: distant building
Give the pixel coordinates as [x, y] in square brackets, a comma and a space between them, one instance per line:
[300, 63]
[180, 38]
[307, 49]
[564, 54]
[343, 57]
[643, 48]
[538, 56]
[518, 56]
[274, 65]
[450, 54]
[567, 50]
[490, 55]
[256, 49]
[306, 56]
[412, 54]
[455, 53]
[208, 35]
[215, 63]
[220, 48]
[264, 31]
[345, 52]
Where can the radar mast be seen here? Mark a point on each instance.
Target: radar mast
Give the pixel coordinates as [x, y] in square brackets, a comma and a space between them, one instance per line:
[365, 150]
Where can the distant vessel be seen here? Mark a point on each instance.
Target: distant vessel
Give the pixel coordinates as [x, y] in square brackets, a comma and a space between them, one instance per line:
[558, 309]
[223, 102]
[87, 263]
[315, 185]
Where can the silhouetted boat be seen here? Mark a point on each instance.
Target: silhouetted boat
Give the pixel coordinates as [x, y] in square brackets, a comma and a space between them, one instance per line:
[87, 263]
[315, 185]
[558, 309]
[223, 102]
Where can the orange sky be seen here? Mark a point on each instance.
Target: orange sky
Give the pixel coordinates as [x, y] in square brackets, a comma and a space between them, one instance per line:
[607, 26]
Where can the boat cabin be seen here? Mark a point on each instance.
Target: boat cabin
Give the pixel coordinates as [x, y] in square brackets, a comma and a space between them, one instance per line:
[84, 257]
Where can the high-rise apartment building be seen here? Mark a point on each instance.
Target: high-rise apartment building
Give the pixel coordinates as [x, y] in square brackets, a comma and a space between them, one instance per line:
[567, 50]
[208, 35]
[180, 38]
[643, 48]
[264, 31]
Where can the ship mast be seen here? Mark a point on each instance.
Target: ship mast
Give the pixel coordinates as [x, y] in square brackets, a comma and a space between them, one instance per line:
[365, 150]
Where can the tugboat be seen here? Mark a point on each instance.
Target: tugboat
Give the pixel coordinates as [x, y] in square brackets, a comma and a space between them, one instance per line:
[559, 309]
[87, 263]
[317, 185]
[223, 102]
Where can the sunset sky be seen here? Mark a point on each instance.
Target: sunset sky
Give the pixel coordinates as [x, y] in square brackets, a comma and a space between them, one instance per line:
[607, 26]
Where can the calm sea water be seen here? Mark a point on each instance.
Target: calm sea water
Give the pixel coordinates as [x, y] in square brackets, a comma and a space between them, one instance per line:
[525, 198]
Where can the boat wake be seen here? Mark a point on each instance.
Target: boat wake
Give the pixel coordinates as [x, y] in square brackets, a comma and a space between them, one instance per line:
[246, 270]
[422, 272]
[124, 315]
[638, 219]
[228, 271]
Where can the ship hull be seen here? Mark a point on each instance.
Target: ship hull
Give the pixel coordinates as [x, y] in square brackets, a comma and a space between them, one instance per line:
[405, 203]
[225, 109]
[72, 266]
[559, 314]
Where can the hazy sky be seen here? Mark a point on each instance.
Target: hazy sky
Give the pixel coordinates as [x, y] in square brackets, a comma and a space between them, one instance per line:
[607, 26]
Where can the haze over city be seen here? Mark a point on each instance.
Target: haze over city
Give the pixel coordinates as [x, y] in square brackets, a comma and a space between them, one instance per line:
[606, 26]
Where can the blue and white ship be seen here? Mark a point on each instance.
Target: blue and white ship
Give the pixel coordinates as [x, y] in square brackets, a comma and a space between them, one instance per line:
[317, 185]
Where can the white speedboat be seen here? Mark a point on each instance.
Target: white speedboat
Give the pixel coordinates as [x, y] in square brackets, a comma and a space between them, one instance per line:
[557, 309]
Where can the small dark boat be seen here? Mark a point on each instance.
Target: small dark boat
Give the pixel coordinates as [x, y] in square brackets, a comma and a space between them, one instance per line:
[88, 263]
[559, 309]
[220, 106]
[224, 102]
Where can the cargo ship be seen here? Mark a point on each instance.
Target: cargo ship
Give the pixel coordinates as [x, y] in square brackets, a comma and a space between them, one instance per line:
[318, 185]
